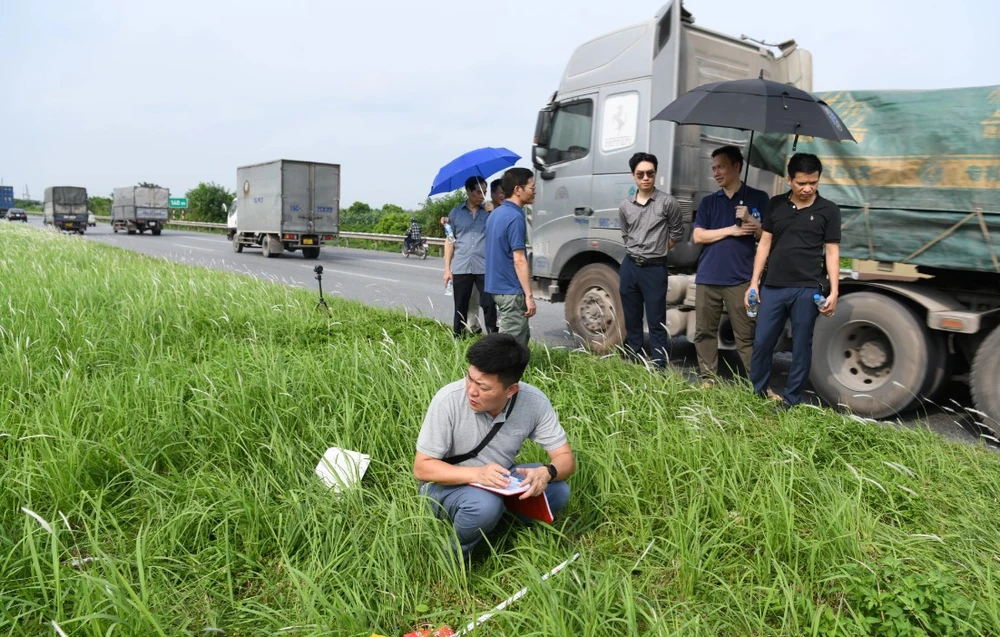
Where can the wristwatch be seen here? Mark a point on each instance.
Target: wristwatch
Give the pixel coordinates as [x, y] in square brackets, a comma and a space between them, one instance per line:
[552, 471]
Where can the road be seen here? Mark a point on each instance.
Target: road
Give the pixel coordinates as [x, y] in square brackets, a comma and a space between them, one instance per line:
[388, 280]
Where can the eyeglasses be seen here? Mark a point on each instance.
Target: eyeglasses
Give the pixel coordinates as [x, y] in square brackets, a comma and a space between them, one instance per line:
[640, 174]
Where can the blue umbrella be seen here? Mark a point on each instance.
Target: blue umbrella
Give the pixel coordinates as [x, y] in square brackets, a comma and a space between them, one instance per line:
[481, 162]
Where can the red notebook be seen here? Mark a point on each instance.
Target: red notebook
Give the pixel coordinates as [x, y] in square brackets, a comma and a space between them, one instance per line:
[536, 507]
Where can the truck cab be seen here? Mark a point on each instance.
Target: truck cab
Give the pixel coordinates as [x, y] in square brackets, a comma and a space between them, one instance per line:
[600, 115]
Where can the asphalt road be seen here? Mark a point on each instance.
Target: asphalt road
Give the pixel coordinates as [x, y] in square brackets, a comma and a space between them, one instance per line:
[416, 286]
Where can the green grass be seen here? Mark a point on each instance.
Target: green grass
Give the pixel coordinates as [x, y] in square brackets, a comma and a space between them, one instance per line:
[166, 420]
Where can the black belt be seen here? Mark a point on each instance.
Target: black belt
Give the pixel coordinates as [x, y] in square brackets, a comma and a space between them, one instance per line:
[643, 261]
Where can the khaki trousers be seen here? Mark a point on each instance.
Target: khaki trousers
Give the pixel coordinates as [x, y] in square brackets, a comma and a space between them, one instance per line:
[709, 300]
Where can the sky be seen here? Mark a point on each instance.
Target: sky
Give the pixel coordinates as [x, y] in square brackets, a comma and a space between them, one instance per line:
[108, 93]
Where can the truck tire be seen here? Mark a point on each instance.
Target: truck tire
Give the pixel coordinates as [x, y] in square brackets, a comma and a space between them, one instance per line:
[310, 253]
[594, 308]
[872, 355]
[156, 231]
[131, 231]
[268, 247]
[237, 244]
[985, 377]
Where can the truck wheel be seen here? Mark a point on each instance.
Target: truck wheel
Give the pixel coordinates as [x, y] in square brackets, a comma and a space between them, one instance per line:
[268, 248]
[156, 231]
[310, 253]
[237, 245]
[871, 355]
[939, 366]
[594, 309]
[131, 231]
[985, 377]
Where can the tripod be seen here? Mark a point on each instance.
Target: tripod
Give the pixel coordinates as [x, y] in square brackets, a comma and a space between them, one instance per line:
[319, 279]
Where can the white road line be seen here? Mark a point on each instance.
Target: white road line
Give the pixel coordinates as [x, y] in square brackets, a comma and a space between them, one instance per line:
[363, 276]
[402, 263]
[181, 245]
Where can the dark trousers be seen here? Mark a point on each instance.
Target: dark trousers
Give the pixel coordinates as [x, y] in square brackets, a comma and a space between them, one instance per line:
[778, 305]
[463, 292]
[645, 288]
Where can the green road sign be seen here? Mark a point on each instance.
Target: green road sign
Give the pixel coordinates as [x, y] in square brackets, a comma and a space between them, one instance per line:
[178, 202]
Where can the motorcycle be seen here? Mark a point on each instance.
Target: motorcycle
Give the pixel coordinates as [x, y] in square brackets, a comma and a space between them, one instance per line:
[417, 248]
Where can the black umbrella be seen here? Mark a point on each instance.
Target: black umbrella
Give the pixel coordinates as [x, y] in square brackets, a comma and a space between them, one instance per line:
[757, 105]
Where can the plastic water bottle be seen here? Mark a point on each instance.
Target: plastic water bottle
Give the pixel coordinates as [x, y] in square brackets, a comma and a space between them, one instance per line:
[449, 290]
[819, 300]
[756, 214]
[753, 301]
[449, 233]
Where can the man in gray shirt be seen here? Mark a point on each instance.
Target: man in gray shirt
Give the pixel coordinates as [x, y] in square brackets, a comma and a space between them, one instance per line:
[465, 260]
[491, 401]
[651, 224]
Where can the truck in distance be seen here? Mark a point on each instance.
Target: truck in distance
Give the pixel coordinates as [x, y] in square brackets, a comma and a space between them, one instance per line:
[140, 208]
[65, 208]
[286, 205]
[6, 200]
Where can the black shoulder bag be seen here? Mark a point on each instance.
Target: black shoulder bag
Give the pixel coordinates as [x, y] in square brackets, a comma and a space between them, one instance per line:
[486, 440]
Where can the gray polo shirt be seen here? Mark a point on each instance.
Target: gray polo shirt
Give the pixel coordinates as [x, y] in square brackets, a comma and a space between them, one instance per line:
[647, 227]
[470, 240]
[451, 428]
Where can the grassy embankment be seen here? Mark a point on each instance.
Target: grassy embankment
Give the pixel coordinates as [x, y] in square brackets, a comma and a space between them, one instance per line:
[165, 421]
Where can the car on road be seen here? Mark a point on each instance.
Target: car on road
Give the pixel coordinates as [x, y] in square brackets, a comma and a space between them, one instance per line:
[16, 214]
[91, 219]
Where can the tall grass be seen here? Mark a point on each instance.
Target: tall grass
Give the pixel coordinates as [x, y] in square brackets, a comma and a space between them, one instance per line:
[160, 425]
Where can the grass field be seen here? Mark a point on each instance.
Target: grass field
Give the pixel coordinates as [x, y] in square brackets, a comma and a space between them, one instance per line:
[159, 427]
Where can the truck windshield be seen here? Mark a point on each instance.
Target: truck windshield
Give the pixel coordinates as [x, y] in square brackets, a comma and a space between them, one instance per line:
[565, 134]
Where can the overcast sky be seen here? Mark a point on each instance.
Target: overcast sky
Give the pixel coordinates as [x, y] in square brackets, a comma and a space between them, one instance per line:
[107, 93]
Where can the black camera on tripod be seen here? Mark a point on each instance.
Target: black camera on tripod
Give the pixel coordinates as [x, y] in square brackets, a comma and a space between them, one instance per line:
[318, 269]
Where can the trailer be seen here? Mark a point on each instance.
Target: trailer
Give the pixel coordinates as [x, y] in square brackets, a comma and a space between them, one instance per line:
[140, 208]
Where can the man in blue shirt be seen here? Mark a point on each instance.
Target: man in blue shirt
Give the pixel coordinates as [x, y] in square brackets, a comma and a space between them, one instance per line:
[465, 259]
[507, 276]
[727, 224]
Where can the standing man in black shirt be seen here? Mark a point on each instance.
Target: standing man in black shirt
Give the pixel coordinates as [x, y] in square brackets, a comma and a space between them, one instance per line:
[651, 224]
[801, 235]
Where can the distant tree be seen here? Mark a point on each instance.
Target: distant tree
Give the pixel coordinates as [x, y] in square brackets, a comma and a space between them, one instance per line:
[431, 211]
[146, 184]
[391, 209]
[100, 206]
[358, 217]
[205, 202]
[393, 223]
[28, 204]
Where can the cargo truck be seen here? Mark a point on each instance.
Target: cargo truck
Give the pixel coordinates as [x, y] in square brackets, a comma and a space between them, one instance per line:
[140, 208]
[284, 206]
[6, 200]
[906, 325]
[65, 208]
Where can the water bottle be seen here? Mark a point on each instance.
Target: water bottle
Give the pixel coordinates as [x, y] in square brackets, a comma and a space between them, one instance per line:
[756, 214]
[753, 301]
[449, 289]
[449, 232]
[819, 300]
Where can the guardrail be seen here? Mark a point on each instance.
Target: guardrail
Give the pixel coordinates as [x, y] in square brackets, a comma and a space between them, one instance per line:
[364, 236]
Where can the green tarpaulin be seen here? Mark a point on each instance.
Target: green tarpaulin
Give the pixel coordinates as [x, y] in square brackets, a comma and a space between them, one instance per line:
[921, 186]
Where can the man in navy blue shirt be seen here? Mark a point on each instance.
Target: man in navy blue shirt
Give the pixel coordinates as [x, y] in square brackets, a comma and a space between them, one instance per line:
[507, 276]
[727, 225]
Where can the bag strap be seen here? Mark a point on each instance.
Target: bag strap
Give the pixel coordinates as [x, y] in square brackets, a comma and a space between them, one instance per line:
[485, 441]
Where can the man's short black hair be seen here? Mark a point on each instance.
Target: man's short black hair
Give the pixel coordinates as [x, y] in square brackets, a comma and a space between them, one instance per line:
[500, 354]
[495, 185]
[805, 163]
[734, 154]
[474, 183]
[513, 178]
[638, 158]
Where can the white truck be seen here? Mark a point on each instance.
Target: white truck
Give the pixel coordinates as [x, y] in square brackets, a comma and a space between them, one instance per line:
[140, 208]
[286, 205]
[921, 211]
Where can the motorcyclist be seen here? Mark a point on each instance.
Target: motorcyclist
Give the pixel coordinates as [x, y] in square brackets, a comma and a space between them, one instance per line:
[412, 237]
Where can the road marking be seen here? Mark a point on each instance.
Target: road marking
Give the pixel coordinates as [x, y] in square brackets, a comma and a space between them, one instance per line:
[404, 264]
[210, 240]
[181, 245]
[364, 276]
